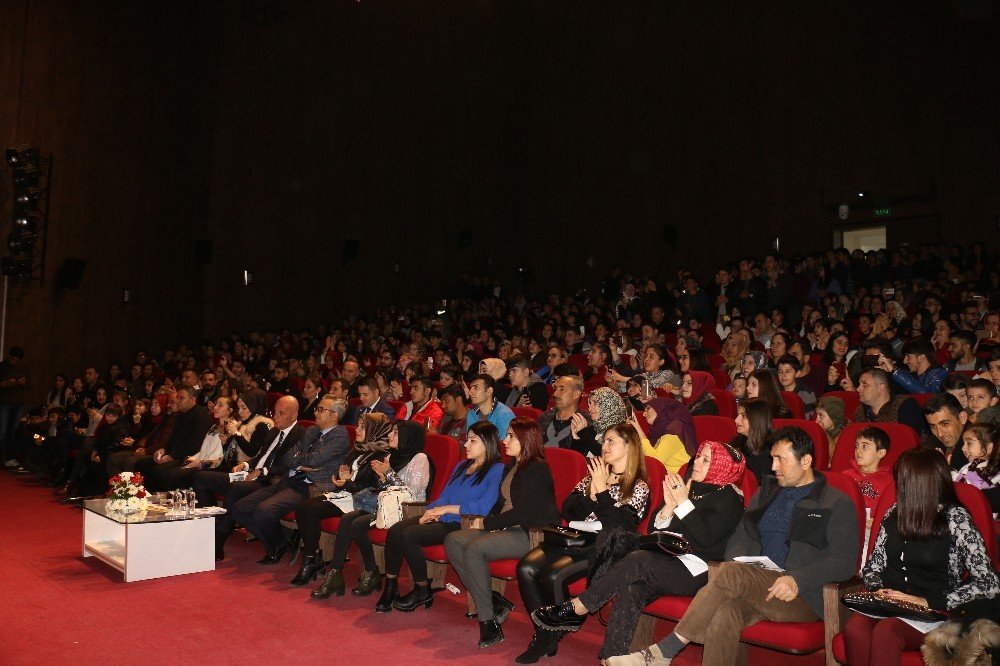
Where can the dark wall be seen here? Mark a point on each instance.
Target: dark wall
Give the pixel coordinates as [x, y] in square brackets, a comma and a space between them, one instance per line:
[538, 133]
[119, 94]
[559, 131]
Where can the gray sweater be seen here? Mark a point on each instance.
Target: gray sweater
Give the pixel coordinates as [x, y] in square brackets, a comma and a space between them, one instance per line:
[823, 537]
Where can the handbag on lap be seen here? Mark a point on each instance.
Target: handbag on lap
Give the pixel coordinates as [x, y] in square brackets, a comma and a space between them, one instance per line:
[390, 506]
[870, 603]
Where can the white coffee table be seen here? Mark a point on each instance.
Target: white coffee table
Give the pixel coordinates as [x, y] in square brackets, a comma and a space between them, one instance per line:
[153, 546]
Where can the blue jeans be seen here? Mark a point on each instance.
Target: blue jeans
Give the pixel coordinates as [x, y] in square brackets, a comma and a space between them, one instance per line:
[10, 416]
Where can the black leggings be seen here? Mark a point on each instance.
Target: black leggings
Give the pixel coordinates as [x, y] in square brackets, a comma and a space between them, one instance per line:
[407, 538]
[544, 574]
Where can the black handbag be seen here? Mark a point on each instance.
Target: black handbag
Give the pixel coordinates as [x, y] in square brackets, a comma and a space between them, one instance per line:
[667, 543]
[878, 605]
[564, 537]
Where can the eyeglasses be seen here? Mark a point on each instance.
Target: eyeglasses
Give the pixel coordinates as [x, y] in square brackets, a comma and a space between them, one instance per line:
[322, 409]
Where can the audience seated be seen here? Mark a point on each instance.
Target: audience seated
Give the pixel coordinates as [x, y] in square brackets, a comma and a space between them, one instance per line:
[872, 326]
[705, 510]
[803, 525]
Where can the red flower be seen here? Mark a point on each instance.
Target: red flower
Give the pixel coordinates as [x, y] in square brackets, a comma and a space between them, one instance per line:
[141, 494]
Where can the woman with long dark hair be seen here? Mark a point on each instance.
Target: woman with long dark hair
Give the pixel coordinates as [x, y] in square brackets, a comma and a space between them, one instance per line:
[928, 552]
[753, 436]
[527, 499]
[762, 384]
[473, 488]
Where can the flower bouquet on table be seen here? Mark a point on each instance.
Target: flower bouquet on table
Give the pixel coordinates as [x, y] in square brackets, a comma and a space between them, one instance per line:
[127, 494]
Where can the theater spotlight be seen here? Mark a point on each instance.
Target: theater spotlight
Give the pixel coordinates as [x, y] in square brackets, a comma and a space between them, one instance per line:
[22, 244]
[26, 200]
[25, 178]
[25, 221]
[21, 156]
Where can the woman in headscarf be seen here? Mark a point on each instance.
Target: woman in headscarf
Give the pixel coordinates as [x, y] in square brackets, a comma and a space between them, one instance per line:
[737, 344]
[830, 416]
[607, 409]
[671, 433]
[405, 465]
[248, 434]
[696, 393]
[705, 511]
[354, 476]
[493, 367]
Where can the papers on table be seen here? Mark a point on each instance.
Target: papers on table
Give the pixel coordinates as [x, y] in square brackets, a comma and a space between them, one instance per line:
[759, 561]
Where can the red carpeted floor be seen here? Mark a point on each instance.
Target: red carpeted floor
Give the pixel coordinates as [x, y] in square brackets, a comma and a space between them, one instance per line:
[61, 607]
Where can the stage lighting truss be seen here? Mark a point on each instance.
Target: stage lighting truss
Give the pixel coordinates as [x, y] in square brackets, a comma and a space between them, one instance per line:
[30, 173]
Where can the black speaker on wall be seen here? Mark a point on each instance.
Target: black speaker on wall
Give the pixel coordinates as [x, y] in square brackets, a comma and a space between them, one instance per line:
[70, 274]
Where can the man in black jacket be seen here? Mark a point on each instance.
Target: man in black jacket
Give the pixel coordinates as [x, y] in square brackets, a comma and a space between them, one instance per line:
[526, 387]
[804, 526]
[190, 427]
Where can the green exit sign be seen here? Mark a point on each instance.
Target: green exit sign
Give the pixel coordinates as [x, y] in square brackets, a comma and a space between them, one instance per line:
[881, 212]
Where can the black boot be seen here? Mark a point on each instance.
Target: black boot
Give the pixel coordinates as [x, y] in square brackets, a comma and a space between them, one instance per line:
[369, 580]
[311, 566]
[390, 589]
[502, 606]
[559, 618]
[543, 644]
[420, 595]
[490, 634]
[273, 558]
[220, 543]
[332, 584]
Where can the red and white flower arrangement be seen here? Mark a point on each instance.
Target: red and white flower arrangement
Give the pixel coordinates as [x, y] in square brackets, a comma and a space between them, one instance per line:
[127, 494]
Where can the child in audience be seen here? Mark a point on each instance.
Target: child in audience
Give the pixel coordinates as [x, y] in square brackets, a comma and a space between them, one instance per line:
[739, 388]
[788, 379]
[981, 445]
[981, 398]
[830, 417]
[870, 448]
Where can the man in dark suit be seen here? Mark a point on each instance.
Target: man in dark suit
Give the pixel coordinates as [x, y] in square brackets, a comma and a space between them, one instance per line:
[310, 464]
[372, 400]
[266, 469]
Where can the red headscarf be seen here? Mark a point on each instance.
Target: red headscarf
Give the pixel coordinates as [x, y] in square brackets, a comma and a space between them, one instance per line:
[723, 470]
[701, 381]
